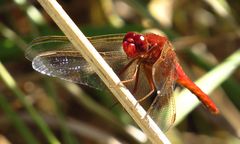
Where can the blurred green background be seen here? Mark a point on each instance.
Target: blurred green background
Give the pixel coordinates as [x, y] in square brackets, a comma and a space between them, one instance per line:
[39, 109]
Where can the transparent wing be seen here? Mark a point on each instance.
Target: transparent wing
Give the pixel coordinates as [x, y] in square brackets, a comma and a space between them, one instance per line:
[55, 56]
[162, 110]
[43, 44]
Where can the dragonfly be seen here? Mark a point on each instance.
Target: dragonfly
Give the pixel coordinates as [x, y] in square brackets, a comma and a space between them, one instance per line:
[145, 63]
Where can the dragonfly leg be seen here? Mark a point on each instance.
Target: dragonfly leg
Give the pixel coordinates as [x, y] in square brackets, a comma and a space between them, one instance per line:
[123, 70]
[135, 74]
[136, 81]
[146, 96]
[149, 94]
[151, 84]
[126, 66]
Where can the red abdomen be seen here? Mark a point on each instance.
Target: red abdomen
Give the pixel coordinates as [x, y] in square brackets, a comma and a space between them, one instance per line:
[185, 81]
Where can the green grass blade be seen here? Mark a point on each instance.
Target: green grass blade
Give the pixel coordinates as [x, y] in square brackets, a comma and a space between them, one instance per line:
[10, 83]
[66, 134]
[16, 121]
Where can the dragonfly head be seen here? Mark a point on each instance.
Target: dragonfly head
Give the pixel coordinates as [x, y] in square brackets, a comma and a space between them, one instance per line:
[134, 44]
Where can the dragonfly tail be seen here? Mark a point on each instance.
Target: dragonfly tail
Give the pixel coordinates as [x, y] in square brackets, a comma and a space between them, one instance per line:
[185, 81]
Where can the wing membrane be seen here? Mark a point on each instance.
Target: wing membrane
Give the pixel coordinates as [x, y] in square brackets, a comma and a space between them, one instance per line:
[43, 44]
[55, 56]
[162, 110]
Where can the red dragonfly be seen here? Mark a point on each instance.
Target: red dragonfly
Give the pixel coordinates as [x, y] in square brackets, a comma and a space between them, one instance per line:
[144, 62]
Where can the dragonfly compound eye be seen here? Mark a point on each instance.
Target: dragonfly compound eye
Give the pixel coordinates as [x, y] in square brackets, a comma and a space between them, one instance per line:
[129, 44]
[130, 49]
[129, 36]
[141, 43]
[134, 44]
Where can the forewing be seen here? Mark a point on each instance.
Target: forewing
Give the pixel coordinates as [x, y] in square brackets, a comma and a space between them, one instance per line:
[162, 110]
[55, 56]
[44, 44]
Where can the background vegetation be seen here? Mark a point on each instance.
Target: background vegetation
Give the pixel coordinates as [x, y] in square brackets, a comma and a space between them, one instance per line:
[39, 109]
